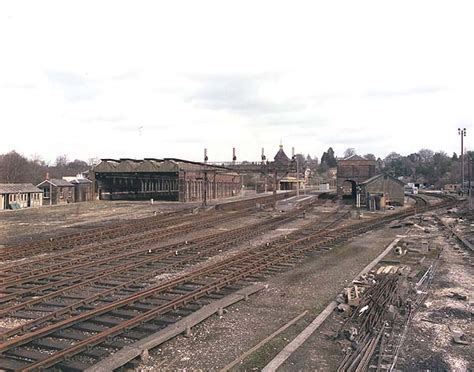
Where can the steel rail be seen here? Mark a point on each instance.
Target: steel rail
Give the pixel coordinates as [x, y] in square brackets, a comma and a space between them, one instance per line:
[79, 261]
[250, 262]
[249, 233]
[269, 256]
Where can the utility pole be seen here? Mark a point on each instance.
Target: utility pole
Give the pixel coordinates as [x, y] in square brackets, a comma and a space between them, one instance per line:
[204, 194]
[297, 177]
[462, 133]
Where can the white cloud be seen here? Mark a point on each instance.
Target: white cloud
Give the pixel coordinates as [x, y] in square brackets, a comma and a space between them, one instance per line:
[371, 75]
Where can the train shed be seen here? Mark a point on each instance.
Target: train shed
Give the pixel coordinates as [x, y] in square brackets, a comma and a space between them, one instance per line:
[163, 179]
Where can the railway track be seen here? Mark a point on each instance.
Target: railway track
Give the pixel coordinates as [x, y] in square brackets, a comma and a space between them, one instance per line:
[110, 322]
[126, 232]
[124, 229]
[143, 263]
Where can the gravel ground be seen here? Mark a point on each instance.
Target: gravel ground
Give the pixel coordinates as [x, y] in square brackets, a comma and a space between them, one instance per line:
[429, 344]
[19, 225]
[311, 285]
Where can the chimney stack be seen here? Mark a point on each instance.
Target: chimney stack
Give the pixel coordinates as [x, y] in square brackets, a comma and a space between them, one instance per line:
[234, 158]
[292, 152]
[47, 175]
[263, 155]
[205, 156]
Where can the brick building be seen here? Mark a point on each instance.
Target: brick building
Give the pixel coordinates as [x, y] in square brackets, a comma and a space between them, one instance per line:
[57, 191]
[162, 179]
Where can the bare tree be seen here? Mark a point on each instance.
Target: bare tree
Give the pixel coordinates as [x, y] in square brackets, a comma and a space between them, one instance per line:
[370, 157]
[13, 168]
[349, 152]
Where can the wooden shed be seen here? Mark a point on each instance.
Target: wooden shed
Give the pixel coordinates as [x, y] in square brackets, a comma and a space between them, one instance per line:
[19, 195]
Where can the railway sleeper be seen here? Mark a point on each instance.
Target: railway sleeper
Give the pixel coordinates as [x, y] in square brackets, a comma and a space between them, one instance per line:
[90, 327]
[21, 352]
[23, 315]
[48, 343]
[105, 320]
[70, 333]
[167, 319]
[128, 314]
[73, 365]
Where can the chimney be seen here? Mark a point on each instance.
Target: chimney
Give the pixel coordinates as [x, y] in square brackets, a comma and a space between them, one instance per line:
[292, 152]
[234, 158]
[263, 154]
[47, 175]
[205, 156]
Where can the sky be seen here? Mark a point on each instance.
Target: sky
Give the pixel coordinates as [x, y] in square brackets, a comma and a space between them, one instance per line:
[135, 79]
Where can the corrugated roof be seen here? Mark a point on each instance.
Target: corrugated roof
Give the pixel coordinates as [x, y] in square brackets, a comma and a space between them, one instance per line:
[15, 188]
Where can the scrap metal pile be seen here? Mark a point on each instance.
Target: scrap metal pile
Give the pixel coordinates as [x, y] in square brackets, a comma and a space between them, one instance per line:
[377, 301]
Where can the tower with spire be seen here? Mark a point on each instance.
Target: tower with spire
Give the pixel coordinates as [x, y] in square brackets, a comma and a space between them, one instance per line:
[281, 158]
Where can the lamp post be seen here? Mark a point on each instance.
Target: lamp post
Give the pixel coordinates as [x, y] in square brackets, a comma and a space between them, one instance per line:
[462, 133]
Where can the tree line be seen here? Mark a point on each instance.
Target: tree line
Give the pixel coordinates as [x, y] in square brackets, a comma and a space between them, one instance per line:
[16, 168]
[424, 166]
[436, 168]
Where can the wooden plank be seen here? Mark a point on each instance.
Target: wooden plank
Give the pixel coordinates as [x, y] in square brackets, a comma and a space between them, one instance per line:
[131, 351]
[300, 339]
[263, 342]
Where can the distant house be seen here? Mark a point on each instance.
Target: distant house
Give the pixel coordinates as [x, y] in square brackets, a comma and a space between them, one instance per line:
[19, 195]
[57, 191]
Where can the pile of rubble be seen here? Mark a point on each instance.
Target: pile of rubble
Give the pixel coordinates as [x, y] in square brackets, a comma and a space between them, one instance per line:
[371, 307]
[379, 306]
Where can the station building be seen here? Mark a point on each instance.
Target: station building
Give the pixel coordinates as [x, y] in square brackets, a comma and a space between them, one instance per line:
[357, 176]
[162, 179]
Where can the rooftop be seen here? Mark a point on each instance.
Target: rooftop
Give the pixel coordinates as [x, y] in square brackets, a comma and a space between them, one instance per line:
[15, 188]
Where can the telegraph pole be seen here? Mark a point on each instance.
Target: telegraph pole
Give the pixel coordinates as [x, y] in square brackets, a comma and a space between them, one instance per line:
[462, 133]
[204, 194]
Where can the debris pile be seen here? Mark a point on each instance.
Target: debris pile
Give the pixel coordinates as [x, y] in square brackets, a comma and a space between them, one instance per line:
[371, 316]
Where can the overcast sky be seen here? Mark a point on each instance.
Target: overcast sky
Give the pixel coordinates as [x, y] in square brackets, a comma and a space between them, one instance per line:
[168, 79]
